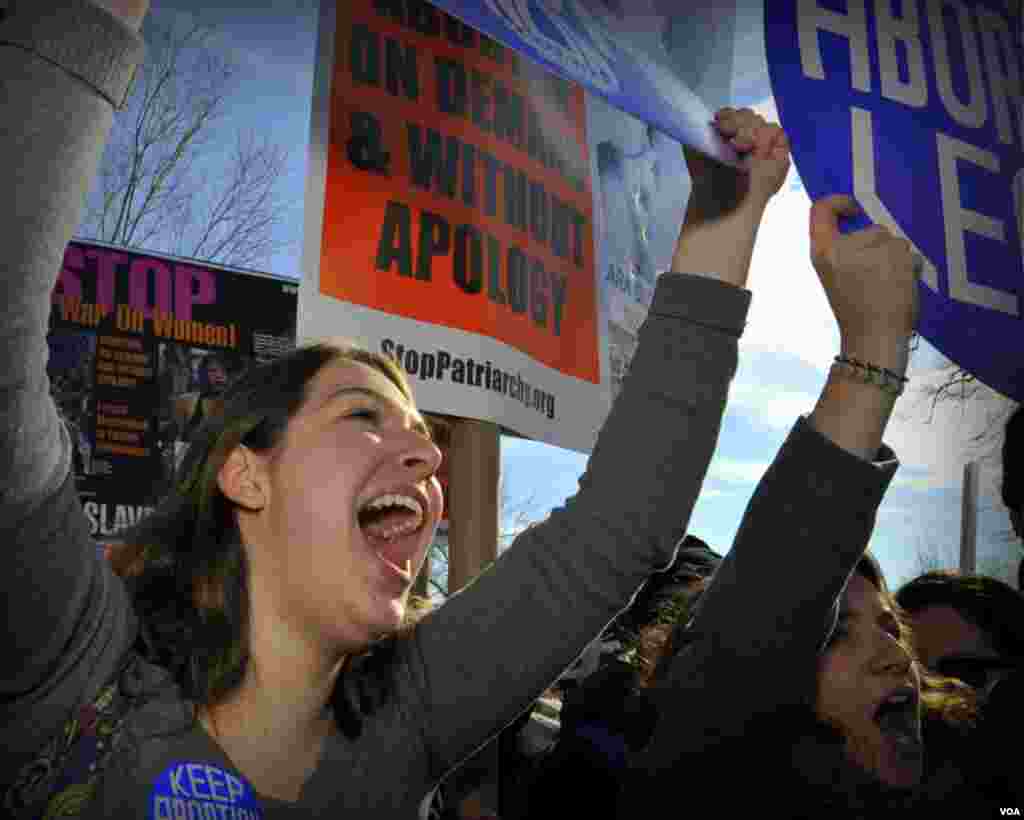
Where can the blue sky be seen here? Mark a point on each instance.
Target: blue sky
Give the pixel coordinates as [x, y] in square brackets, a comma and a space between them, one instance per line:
[784, 354]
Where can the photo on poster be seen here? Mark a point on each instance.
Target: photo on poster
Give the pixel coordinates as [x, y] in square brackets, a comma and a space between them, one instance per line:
[71, 370]
[192, 382]
[641, 194]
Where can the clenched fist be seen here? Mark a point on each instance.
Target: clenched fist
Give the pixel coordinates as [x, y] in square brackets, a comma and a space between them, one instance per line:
[764, 152]
[870, 276]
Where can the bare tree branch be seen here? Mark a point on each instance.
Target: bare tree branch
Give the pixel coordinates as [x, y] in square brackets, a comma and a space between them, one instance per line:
[960, 390]
[929, 556]
[959, 386]
[161, 186]
[240, 224]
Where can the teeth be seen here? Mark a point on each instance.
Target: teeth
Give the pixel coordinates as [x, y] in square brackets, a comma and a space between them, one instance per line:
[395, 500]
[390, 500]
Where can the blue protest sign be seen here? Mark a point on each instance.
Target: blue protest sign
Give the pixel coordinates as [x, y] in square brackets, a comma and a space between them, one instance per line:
[915, 109]
[643, 56]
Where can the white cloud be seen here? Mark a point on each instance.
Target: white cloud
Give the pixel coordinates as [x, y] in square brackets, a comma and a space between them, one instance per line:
[790, 314]
[768, 404]
[736, 471]
[885, 511]
[944, 440]
[789, 311]
[919, 483]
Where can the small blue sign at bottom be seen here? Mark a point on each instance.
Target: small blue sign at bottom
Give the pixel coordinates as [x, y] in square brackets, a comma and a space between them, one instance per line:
[199, 791]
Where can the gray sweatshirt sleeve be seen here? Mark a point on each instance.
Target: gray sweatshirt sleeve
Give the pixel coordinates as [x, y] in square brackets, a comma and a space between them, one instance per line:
[61, 62]
[480, 659]
[762, 622]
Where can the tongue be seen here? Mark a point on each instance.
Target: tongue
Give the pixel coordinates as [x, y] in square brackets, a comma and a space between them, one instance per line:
[387, 520]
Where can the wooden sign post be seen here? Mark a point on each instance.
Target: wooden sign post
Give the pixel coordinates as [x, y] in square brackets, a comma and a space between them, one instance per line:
[474, 465]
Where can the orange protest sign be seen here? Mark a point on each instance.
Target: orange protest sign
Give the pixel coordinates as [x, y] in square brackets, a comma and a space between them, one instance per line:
[457, 185]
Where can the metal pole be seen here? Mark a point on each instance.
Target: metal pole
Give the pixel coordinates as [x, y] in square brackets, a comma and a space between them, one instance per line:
[969, 519]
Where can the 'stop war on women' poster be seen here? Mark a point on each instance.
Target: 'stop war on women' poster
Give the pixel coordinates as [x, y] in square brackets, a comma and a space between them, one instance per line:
[141, 348]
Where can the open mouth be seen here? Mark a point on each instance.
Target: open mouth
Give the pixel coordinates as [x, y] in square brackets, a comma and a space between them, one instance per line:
[391, 524]
[897, 717]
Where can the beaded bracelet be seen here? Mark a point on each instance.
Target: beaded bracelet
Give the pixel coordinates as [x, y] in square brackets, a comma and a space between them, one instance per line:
[889, 380]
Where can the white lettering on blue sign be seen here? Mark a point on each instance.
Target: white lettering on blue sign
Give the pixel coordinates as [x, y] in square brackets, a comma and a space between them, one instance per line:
[972, 113]
[199, 791]
[853, 26]
[176, 787]
[197, 780]
[994, 31]
[903, 31]
[865, 188]
[917, 109]
[167, 808]
[960, 220]
[213, 776]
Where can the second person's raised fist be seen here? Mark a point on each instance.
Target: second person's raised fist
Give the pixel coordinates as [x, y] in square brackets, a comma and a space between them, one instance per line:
[869, 276]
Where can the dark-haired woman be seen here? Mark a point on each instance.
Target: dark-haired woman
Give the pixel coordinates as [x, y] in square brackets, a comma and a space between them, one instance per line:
[797, 693]
[607, 716]
[969, 627]
[256, 664]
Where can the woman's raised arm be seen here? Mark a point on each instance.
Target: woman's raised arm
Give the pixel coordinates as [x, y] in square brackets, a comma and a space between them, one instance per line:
[492, 648]
[63, 65]
[754, 641]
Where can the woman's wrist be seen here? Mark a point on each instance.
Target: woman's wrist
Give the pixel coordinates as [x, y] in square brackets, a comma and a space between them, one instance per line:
[719, 247]
[885, 351]
[860, 371]
[708, 204]
[853, 414]
[856, 404]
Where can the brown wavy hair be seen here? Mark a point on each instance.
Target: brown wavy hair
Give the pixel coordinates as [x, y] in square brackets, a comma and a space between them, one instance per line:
[185, 564]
